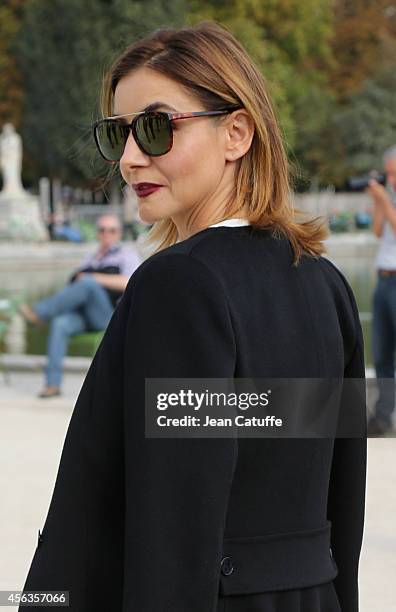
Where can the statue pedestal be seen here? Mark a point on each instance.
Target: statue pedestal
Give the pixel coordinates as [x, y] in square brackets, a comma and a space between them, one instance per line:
[20, 218]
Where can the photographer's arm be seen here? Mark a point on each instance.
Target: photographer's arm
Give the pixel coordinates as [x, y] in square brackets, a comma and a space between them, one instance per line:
[383, 207]
[389, 212]
[378, 219]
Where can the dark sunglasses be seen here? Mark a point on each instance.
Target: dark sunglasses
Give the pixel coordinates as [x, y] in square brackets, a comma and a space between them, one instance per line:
[111, 230]
[152, 132]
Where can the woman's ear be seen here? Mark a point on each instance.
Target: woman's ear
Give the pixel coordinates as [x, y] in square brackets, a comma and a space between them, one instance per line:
[239, 132]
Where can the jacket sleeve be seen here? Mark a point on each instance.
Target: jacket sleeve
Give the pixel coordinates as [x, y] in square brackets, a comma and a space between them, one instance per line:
[346, 501]
[176, 489]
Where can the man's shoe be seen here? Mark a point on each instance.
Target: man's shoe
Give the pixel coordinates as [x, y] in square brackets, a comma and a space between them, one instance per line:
[30, 316]
[376, 427]
[49, 392]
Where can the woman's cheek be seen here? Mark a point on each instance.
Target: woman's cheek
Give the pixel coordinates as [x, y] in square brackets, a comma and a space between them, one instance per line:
[180, 166]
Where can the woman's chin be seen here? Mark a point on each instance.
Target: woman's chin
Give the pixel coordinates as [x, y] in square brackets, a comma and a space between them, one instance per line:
[151, 214]
[151, 218]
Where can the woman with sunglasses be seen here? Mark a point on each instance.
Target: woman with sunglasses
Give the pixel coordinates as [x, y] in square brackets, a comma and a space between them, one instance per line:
[235, 289]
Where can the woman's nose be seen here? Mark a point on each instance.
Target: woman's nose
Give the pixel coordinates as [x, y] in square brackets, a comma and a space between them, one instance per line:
[132, 155]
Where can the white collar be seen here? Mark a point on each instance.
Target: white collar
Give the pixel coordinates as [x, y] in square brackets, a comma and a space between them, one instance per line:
[234, 222]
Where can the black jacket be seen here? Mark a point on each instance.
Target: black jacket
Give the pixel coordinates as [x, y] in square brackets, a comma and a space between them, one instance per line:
[204, 525]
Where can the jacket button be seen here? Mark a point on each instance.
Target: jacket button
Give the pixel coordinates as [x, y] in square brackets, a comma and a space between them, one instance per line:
[227, 566]
[40, 538]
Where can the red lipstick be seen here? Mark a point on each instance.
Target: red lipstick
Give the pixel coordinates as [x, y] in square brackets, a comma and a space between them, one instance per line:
[145, 189]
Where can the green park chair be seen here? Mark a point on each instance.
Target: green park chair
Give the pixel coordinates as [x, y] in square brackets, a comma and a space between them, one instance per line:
[86, 343]
[80, 345]
[3, 331]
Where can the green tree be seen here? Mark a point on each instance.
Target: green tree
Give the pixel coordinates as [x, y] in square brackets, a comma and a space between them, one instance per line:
[288, 39]
[364, 40]
[64, 48]
[11, 86]
[361, 129]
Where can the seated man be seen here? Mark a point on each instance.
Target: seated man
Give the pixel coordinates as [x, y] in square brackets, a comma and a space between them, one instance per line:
[88, 301]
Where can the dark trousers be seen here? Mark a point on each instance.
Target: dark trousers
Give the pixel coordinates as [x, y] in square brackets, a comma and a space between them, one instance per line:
[384, 345]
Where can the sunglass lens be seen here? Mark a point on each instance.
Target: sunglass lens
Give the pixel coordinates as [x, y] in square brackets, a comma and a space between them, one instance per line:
[154, 134]
[111, 137]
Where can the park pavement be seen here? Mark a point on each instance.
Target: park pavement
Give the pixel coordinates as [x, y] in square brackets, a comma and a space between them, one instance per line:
[32, 433]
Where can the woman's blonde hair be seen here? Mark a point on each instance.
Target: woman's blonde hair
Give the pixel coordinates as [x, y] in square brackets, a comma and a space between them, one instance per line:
[208, 61]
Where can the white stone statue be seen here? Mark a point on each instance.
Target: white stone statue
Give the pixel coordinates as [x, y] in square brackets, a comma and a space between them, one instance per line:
[20, 215]
[11, 161]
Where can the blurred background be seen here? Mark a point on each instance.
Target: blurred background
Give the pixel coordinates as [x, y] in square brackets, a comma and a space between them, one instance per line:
[330, 66]
[331, 69]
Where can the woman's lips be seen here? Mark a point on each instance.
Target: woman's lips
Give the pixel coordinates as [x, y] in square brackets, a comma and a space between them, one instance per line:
[145, 189]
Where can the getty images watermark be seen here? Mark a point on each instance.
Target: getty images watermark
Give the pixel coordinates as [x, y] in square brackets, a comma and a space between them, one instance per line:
[198, 401]
[255, 407]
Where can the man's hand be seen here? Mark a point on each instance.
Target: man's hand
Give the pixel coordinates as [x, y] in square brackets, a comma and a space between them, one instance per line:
[118, 282]
[377, 191]
[80, 275]
[95, 275]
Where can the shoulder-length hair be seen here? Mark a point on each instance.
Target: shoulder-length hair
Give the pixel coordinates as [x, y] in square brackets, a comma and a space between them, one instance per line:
[208, 61]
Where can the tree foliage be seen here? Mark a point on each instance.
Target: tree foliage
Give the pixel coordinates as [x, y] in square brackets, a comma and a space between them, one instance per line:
[364, 41]
[288, 39]
[63, 50]
[329, 66]
[363, 128]
[11, 86]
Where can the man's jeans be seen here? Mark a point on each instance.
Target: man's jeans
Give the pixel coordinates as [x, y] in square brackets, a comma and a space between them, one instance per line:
[80, 306]
[383, 346]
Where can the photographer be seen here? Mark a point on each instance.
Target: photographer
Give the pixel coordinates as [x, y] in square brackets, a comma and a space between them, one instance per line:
[384, 297]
